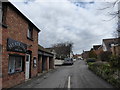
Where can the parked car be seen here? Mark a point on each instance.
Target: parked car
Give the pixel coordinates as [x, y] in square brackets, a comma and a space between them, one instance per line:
[74, 59]
[90, 60]
[58, 62]
[68, 61]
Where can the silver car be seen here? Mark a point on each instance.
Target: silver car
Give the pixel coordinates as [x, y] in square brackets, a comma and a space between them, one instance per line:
[68, 61]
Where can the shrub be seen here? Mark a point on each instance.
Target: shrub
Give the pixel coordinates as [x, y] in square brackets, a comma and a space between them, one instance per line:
[115, 62]
[92, 54]
[104, 70]
[105, 56]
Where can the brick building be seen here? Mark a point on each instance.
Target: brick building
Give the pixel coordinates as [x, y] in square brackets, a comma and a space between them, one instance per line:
[45, 59]
[19, 45]
[85, 55]
[107, 43]
[115, 50]
[98, 49]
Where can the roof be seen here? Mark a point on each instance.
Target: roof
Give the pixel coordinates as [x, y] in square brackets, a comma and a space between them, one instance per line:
[50, 49]
[41, 48]
[86, 51]
[110, 41]
[21, 14]
[96, 47]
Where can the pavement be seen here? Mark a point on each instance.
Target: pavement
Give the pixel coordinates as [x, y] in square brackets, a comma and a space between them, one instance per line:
[72, 76]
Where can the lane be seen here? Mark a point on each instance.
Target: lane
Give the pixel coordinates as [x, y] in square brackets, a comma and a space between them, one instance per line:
[75, 76]
[54, 79]
[82, 77]
[57, 79]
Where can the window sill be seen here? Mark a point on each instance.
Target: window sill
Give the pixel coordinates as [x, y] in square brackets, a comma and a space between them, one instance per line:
[4, 25]
[30, 38]
[15, 73]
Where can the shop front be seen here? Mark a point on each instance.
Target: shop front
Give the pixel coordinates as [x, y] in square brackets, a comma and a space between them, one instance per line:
[21, 63]
[16, 60]
[19, 56]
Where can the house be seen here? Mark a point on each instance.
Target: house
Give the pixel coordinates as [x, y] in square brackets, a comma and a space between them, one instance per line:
[77, 56]
[115, 50]
[85, 55]
[98, 49]
[45, 59]
[19, 45]
[112, 45]
[107, 43]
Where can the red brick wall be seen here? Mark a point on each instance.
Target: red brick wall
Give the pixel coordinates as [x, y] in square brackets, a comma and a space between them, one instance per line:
[51, 63]
[115, 50]
[98, 52]
[40, 64]
[47, 63]
[17, 30]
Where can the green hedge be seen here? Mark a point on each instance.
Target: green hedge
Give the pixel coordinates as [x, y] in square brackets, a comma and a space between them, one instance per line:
[105, 71]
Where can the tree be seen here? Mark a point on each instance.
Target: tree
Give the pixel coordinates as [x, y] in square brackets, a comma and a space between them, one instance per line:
[63, 50]
[92, 54]
[113, 14]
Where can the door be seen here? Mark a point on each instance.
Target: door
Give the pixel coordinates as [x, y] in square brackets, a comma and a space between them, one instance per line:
[27, 71]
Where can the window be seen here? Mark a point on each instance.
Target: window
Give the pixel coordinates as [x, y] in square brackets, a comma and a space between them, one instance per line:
[4, 11]
[30, 32]
[34, 62]
[15, 64]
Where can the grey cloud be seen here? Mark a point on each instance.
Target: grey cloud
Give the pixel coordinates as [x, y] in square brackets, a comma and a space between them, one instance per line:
[63, 21]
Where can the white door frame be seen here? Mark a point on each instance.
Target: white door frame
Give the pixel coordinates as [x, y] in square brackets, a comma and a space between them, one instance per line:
[27, 66]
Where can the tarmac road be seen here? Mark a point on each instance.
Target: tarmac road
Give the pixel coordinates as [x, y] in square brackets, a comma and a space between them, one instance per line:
[73, 76]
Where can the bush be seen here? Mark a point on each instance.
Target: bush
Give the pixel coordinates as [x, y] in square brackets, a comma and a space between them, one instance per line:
[105, 71]
[92, 54]
[105, 56]
[115, 62]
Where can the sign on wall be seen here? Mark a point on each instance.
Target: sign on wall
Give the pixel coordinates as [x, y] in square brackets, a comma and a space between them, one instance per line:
[16, 46]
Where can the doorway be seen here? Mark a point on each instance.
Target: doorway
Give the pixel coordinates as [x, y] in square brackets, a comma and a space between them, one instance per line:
[27, 69]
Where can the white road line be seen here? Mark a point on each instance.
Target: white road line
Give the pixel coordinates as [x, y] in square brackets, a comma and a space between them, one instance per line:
[69, 82]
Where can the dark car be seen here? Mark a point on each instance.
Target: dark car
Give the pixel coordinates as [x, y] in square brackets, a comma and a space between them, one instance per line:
[90, 60]
[68, 61]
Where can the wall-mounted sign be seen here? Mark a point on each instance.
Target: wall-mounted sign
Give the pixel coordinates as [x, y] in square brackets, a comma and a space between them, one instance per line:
[16, 46]
[34, 62]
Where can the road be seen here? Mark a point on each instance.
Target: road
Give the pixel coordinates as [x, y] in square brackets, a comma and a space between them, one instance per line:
[75, 76]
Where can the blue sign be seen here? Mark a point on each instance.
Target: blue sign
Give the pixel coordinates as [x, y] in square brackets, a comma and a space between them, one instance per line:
[16, 46]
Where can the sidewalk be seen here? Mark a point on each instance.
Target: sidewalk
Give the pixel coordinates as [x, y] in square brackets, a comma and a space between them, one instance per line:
[29, 82]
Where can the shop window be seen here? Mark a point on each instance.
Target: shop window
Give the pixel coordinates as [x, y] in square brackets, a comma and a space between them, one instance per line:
[30, 32]
[15, 64]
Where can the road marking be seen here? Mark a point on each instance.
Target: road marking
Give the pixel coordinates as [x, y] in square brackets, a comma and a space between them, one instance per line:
[69, 82]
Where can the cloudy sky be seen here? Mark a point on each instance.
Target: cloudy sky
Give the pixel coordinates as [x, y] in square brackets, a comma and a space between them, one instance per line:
[79, 21]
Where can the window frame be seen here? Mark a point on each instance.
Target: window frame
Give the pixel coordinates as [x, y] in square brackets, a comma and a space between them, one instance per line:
[4, 13]
[30, 32]
[22, 63]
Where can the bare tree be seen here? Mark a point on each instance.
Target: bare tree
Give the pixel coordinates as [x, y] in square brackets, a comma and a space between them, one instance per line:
[114, 15]
[63, 50]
